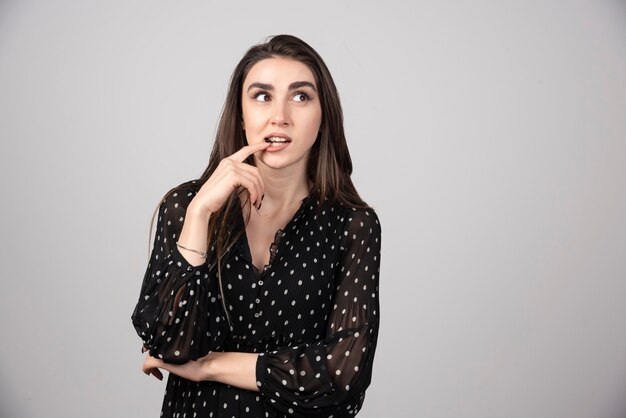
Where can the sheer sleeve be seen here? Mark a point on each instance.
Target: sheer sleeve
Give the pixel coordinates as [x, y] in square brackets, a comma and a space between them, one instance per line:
[177, 315]
[331, 376]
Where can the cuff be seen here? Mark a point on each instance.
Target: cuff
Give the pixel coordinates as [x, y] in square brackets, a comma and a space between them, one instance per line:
[261, 371]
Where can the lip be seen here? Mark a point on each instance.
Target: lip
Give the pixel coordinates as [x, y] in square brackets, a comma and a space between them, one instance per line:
[277, 146]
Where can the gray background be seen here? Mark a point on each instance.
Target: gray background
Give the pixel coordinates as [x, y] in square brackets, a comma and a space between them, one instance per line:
[489, 136]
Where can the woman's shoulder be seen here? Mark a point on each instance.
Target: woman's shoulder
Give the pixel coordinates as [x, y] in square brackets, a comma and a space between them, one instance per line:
[354, 218]
[362, 217]
[178, 197]
[359, 212]
[360, 227]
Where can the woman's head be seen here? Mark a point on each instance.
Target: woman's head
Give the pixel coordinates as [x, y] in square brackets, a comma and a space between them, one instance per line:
[329, 165]
[280, 104]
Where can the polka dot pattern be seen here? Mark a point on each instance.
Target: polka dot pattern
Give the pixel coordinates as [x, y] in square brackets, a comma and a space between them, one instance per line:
[328, 374]
[177, 316]
[312, 313]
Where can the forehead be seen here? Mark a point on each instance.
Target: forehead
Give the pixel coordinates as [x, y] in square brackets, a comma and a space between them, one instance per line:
[280, 72]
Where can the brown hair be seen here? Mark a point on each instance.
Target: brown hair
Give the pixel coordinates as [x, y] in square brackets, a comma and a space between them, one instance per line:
[329, 166]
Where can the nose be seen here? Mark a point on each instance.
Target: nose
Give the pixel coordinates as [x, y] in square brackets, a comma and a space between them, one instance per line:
[280, 115]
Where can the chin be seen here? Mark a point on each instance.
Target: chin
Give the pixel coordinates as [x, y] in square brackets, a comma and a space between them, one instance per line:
[274, 163]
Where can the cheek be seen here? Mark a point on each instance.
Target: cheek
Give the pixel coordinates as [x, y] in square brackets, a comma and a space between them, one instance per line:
[309, 117]
[316, 122]
[247, 116]
[247, 122]
[251, 119]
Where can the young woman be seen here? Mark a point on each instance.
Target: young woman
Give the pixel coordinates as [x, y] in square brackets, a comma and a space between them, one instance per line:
[261, 295]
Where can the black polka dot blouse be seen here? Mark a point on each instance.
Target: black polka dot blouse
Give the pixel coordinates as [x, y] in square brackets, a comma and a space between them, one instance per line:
[312, 313]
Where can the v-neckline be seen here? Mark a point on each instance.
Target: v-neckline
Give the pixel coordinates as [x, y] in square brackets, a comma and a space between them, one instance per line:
[278, 235]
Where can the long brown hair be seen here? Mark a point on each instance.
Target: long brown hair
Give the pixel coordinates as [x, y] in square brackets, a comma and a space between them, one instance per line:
[329, 166]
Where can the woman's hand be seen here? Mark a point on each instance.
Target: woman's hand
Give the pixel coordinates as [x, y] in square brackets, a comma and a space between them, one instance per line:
[231, 174]
[151, 366]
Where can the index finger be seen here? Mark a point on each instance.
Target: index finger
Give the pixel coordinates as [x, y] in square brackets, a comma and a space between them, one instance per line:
[248, 150]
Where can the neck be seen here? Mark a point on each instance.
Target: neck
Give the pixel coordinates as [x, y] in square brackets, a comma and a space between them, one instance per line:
[284, 187]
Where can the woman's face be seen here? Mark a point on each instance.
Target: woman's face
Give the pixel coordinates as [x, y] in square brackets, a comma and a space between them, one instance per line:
[280, 104]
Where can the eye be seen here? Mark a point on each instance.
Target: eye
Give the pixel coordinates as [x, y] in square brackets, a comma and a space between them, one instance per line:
[261, 97]
[301, 97]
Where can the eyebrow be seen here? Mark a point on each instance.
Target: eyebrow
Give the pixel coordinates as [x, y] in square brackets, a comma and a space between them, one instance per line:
[293, 86]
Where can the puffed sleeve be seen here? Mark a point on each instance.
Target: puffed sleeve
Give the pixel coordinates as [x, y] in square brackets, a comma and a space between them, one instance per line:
[177, 315]
[330, 377]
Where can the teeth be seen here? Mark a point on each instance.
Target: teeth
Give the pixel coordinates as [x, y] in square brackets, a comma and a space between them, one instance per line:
[276, 139]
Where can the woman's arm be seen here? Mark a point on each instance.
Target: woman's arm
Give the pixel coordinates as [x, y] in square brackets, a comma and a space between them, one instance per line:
[234, 369]
[174, 315]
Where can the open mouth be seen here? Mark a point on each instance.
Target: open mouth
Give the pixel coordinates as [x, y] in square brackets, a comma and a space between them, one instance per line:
[277, 140]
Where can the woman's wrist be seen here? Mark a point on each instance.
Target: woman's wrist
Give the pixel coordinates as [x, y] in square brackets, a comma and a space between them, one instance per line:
[196, 211]
[208, 366]
[192, 241]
